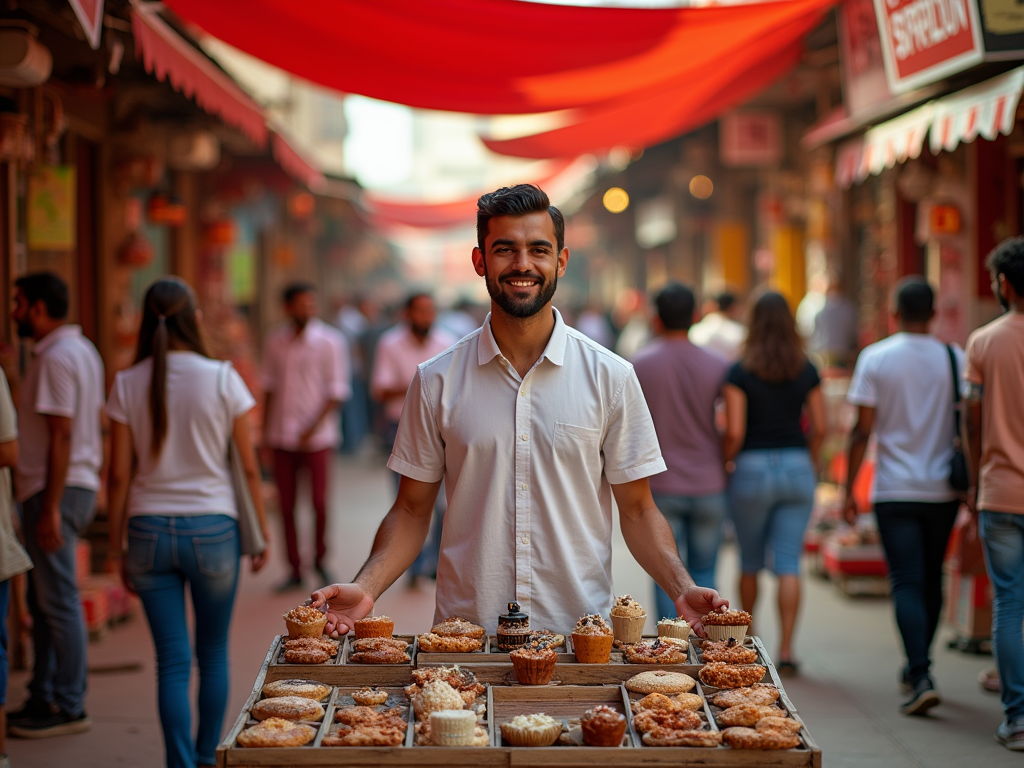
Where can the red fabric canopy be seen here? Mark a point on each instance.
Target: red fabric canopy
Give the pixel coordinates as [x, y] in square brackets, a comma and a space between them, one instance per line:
[492, 56]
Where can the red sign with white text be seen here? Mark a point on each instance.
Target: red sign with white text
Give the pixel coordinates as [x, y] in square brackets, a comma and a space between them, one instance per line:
[926, 40]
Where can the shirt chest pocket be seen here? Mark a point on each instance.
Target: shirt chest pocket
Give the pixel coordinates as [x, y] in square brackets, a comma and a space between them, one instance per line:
[573, 444]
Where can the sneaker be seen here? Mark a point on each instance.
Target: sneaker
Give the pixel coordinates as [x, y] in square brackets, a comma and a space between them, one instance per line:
[290, 584]
[31, 710]
[1011, 735]
[58, 723]
[906, 687]
[922, 698]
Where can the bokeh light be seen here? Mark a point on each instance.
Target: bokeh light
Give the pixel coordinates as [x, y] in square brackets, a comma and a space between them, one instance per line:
[701, 187]
[616, 200]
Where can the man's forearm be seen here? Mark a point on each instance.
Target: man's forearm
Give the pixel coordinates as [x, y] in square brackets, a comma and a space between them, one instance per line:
[331, 406]
[972, 440]
[57, 462]
[399, 539]
[650, 541]
[855, 457]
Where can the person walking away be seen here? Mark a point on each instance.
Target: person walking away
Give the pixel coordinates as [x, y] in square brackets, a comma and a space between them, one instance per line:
[56, 480]
[173, 519]
[771, 489]
[682, 383]
[903, 389]
[720, 329]
[13, 557]
[994, 432]
[833, 341]
[306, 380]
[413, 341]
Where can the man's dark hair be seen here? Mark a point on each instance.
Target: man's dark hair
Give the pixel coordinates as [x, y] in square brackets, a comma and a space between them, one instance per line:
[675, 303]
[411, 298]
[1007, 259]
[47, 288]
[294, 290]
[516, 201]
[915, 299]
[725, 301]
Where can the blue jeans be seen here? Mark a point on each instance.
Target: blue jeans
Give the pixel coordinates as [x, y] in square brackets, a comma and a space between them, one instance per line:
[771, 493]
[1003, 537]
[58, 623]
[696, 523]
[914, 535]
[165, 553]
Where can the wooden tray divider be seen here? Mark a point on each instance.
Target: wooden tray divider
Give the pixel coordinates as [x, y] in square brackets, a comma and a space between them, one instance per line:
[493, 731]
[783, 696]
[243, 717]
[634, 737]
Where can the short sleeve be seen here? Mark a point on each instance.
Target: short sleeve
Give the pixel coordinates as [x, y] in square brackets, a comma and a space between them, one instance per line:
[268, 371]
[385, 369]
[238, 397]
[736, 376]
[630, 448]
[809, 377]
[57, 394]
[863, 387]
[975, 360]
[419, 448]
[339, 386]
[117, 408]
[8, 416]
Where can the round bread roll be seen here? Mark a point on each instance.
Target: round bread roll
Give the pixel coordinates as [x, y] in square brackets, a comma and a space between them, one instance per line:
[288, 708]
[307, 689]
[275, 732]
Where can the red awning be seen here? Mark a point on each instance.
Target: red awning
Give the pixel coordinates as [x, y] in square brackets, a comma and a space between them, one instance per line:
[495, 56]
[295, 165]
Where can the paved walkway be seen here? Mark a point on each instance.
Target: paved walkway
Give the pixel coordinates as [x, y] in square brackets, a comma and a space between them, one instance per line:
[848, 647]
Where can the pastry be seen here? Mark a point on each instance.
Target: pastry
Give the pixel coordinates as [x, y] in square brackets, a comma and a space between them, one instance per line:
[654, 652]
[533, 667]
[275, 732]
[747, 714]
[665, 737]
[721, 625]
[513, 628]
[680, 720]
[462, 680]
[690, 701]
[377, 643]
[453, 728]
[722, 675]
[308, 689]
[679, 628]
[323, 643]
[628, 618]
[748, 738]
[374, 626]
[660, 681]
[454, 626]
[545, 638]
[759, 693]
[305, 621]
[435, 696]
[603, 727]
[432, 643]
[308, 655]
[288, 708]
[379, 654]
[592, 640]
[368, 697]
[538, 730]
[366, 727]
[731, 651]
[656, 701]
[778, 724]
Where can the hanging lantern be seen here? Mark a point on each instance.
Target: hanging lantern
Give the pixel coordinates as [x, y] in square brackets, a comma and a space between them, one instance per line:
[166, 209]
[221, 232]
[301, 205]
[137, 251]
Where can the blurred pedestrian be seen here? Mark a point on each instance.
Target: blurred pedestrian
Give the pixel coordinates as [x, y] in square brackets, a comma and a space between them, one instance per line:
[682, 383]
[400, 351]
[458, 320]
[593, 323]
[994, 430]
[172, 508]
[720, 329]
[13, 557]
[56, 480]
[306, 380]
[771, 489]
[356, 412]
[903, 388]
[834, 338]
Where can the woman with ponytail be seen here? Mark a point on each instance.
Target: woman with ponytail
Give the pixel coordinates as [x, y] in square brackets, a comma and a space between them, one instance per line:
[173, 515]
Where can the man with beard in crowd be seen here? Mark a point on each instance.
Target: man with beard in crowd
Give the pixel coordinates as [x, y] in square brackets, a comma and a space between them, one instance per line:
[533, 427]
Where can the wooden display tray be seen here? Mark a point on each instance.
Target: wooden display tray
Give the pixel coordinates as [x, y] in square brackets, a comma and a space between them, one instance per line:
[339, 671]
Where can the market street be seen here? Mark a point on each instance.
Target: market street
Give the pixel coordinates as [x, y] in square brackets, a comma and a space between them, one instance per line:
[846, 692]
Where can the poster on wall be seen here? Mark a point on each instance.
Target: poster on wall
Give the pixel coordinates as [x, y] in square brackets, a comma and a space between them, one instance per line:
[52, 208]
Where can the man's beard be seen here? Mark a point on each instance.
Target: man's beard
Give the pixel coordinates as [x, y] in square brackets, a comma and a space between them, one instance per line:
[420, 331]
[515, 307]
[1003, 301]
[25, 329]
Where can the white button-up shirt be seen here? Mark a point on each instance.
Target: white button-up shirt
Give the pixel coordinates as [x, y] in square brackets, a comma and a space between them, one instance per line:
[304, 372]
[398, 355]
[527, 463]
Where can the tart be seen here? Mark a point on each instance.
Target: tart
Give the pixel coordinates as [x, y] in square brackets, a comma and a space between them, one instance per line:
[288, 708]
[538, 730]
[276, 732]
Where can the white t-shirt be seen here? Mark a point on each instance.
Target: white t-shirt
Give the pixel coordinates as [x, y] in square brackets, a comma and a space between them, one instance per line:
[64, 379]
[191, 475]
[907, 379]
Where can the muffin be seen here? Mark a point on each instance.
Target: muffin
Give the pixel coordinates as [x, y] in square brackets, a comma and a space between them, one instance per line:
[678, 628]
[374, 626]
[533, 667]
[592, 640]
[538, 730]
[453, 728]
[603, 727]
[305, 621]
[513, 628]
[628, 618]
[722, 626]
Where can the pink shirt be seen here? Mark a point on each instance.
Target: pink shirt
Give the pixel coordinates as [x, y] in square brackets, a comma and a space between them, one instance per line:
[398, 355]
[304, 372]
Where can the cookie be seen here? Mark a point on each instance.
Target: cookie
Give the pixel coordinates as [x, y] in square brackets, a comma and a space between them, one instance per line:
[288, 708]
[660, 681]
[307, 689]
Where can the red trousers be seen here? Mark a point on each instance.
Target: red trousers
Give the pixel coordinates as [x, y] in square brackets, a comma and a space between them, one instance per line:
[287, 465]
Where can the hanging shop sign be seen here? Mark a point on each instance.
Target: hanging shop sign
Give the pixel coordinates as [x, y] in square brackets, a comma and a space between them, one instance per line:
[860, 52]
[51, 208]
[750, 139]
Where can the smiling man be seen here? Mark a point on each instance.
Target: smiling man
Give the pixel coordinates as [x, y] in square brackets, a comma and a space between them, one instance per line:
[534, 427]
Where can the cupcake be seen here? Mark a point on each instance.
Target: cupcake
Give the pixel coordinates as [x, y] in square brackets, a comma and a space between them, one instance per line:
[722, 626]
[592, 640]
[453, 728]
[533, 667]
[513, 628]
[603, 727]
[374, 626]
[628, 618]
[531, 730]
[677, 627]
[305, 621]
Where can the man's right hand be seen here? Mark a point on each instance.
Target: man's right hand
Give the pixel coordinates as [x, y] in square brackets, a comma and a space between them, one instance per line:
[850, 511]
[48, 532]
[346, 603]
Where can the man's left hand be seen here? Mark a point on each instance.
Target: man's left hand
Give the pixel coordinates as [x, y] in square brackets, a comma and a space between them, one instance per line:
[48, 531]
[306, 436]
[695, 603]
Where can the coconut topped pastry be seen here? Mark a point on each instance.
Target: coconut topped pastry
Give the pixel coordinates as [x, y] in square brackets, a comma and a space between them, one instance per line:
[592, 624]
[626, 607]
[727, 618]
[305, 621]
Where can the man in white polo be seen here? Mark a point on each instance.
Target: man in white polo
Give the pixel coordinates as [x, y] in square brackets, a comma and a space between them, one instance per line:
[533, 427]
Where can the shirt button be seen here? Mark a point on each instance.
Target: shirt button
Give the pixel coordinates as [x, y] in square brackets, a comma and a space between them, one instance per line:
[524, 486]
[525, 540]
[523, 393]
[524, 437]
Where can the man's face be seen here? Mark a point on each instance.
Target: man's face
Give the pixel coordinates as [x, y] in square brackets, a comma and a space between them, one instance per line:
[420, 315]
[302, 308]
[997, 289]
[521, 263]
[21, 315]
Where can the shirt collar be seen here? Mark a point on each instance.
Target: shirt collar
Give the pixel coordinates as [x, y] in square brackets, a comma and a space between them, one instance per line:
[62, 332]
[312, 329]
[487, 347]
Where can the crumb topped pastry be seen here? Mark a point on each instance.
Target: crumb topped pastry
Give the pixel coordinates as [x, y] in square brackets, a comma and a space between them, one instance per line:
[435, 696]
[533, 666]
[602, 726]
[455, 626]
[628, 618]
[654, 652]
[722, 675]
[731, 651]
[677, 720]
[592, 624]
[276, 732]
[628, 607]
[374, 626]
[308, 689]
[760, 693]
[721, 625]
[305, 621]
[434, 643]
[545, 638]
[538, 730]
[369, 697]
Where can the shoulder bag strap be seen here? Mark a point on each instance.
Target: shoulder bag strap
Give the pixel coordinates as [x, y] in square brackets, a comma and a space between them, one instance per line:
[956, 390]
